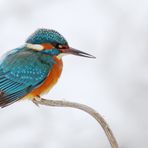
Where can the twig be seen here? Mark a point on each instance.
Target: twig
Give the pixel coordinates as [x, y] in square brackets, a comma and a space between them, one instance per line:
[89, 110]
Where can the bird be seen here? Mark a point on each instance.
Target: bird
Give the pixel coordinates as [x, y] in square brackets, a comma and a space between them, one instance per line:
[33, 69]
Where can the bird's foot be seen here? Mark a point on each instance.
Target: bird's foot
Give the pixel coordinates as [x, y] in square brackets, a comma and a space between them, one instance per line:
[36, 99]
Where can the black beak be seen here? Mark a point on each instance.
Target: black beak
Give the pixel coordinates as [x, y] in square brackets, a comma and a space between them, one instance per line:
[76, 52]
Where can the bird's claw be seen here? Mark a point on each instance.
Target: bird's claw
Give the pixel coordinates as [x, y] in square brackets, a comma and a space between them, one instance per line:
[36, 99]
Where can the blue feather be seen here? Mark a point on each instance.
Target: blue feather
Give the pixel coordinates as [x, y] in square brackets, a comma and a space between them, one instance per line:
[21, 71]
[46, 36]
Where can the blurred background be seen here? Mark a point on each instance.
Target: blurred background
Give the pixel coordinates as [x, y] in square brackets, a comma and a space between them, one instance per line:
[115, 84]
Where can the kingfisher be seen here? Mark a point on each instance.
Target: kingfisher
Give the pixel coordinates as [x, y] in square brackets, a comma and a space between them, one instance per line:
[33, 69]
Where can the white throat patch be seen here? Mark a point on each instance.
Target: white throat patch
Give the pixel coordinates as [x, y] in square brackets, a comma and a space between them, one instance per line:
[36, 47]
[61, 55]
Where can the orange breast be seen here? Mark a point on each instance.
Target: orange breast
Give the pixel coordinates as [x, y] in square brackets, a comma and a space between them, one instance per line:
[50, 81]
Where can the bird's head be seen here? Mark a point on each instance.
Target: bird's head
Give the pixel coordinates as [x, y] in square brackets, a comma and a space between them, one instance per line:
[52, 43]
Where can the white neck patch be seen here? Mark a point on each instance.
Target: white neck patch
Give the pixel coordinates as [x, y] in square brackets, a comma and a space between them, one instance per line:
[36, 47]
[61, 55]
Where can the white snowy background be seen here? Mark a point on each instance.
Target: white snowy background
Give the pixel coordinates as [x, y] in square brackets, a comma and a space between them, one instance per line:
[115, 84]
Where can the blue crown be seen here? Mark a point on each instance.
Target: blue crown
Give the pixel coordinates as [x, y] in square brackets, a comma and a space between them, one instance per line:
[46, 36]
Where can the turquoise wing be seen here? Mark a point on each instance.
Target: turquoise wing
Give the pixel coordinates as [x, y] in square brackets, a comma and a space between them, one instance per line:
[20, 73]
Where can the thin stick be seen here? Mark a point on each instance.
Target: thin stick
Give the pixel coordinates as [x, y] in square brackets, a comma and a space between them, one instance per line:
[89, 110]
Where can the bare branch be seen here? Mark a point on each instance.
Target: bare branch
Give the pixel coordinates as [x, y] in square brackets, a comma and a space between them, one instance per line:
[89, 110]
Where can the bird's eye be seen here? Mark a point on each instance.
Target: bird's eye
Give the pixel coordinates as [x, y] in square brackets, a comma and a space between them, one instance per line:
[60, 46]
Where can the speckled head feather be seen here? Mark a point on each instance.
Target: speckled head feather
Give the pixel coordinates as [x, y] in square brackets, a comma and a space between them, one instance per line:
[41, 36]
